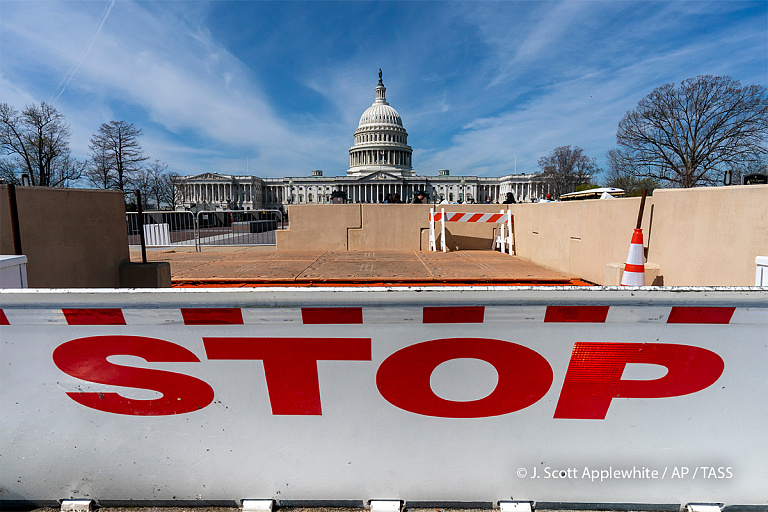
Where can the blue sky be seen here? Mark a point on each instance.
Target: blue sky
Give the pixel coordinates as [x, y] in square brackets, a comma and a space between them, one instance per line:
[277, 88]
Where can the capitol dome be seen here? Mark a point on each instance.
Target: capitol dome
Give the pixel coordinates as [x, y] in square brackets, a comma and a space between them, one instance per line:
[380, 113]
[381, 142]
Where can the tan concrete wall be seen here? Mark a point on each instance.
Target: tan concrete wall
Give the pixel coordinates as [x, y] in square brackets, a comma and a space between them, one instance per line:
[322, 226]
[578, 237]
[709, 236]
[394, 227]
[377, 227]
[73, 238]
[697, 237]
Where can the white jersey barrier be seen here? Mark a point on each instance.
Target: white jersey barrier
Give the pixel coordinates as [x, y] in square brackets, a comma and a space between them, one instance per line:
[502, 234]
[642, 396]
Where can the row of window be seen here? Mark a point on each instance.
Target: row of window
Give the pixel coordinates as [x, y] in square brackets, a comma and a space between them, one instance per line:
[380, 137]
[322, 199]
[373, 157]
[327, 189]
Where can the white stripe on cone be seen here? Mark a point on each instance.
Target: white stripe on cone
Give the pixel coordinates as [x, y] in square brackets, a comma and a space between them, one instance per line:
[632, 277]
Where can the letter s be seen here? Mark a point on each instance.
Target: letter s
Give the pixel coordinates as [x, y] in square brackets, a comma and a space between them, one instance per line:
[86, 359]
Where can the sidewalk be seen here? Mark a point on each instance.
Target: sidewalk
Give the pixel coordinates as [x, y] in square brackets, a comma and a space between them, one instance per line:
[244, 267]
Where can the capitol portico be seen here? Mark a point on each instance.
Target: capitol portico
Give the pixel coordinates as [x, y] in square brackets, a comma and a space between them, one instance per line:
[380, 165]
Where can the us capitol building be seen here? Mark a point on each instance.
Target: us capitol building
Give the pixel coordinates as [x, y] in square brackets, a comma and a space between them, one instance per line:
[380, 164]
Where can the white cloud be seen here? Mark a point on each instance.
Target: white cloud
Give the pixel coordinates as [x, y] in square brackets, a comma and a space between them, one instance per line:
[583, 111]
[476, 84]
[578, 102]
[173, 74]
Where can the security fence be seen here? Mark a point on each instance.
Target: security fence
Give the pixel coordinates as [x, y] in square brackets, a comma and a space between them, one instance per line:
[163, 228]
[211, 228]
[238, 227]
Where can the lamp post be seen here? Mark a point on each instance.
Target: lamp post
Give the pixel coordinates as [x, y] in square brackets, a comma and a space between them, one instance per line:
[290, 191]
[463, 193]
[727, 178]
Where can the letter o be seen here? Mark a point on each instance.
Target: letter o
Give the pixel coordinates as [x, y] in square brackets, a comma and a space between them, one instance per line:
[403, 378]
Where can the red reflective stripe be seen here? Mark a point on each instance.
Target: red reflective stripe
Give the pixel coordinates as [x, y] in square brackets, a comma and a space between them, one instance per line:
[476, 217]
[594, 314]
[700, 315]
[106, 316]
[628, 267]
[453, 217]
[454, 315]
[3, 318]
[594, 375]
[332, 315]
[495, 217]
[212, 316]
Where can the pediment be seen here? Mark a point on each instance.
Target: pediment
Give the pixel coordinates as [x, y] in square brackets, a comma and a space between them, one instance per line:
[210, 176]
[380, 176]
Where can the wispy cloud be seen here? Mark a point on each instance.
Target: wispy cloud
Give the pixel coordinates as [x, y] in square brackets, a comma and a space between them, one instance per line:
[478, 84]
[584, 105]
[71, 73]
[149, 65]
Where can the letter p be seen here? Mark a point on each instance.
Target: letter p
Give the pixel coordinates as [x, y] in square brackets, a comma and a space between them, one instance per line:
[594, 375]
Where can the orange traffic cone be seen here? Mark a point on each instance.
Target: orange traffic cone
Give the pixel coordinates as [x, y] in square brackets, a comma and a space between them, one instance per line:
[634, 268]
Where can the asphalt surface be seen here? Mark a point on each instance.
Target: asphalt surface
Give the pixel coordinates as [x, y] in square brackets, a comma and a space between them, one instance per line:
[261, 266]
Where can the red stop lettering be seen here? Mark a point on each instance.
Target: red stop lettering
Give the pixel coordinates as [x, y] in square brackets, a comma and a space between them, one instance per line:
[403, 378]
[594, 375]
[290, 365]
[86, 359]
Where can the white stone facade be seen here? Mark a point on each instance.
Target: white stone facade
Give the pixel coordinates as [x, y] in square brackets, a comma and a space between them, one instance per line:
[380, 164]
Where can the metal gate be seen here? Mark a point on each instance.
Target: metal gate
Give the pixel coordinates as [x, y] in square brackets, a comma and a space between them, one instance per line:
[238, 227]
[163, 228]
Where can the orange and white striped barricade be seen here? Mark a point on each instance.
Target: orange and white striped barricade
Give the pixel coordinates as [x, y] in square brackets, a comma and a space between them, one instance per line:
[504, 237]
[503, 240]
[434, 217]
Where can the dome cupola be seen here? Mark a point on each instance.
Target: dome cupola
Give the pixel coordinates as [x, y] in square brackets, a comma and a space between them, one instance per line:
[381, 142]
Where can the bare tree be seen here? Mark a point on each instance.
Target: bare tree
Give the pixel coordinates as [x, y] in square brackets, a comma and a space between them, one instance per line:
[35, 141]
[623, 173]
[162, 184]
[565, 168]
[174, 195]
[142, 181]
[99, 171]
[690, 135]
[755, 165]
[118, 143]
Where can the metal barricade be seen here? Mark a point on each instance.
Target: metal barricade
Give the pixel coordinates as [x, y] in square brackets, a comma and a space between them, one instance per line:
[239, 227]
[163, 228]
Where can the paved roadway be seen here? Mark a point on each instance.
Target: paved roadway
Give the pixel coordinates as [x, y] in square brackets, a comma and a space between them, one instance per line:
[257, 266]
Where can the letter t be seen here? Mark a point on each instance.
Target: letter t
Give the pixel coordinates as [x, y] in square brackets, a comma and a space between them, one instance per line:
[290, 365]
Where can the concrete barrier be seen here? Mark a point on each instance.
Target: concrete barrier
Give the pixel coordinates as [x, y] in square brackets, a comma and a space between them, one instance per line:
[13, 271]
[470, 394]
[696, 237]
[73, 238]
